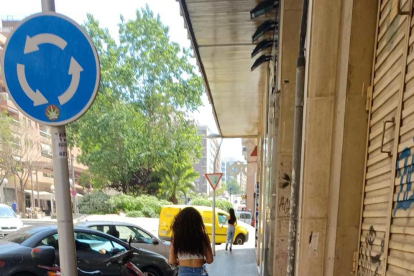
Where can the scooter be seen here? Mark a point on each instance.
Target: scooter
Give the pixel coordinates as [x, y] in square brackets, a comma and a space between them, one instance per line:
[122, 259]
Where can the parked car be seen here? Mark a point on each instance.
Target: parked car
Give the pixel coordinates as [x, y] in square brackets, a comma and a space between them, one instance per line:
[123, 230]
[45, 256]
[9, 221]
[92, 249]
[244, 216]
[169, 212]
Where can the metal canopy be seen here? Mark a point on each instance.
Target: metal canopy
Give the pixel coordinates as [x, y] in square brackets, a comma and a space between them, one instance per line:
[221, 34]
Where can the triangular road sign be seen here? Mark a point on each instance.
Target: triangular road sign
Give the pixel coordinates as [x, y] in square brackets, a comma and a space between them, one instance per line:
[213, 179]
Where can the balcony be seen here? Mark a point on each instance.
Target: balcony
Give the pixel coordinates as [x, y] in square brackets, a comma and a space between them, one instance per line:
[45, 134]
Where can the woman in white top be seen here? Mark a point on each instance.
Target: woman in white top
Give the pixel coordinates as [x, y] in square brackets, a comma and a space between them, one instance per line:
[190, 246]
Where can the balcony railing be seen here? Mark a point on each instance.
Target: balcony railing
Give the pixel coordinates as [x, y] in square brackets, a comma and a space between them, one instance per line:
[4, 96]
[45, 134]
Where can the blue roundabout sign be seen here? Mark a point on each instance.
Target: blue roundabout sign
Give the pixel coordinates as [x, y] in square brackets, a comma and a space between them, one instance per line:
[51, 69]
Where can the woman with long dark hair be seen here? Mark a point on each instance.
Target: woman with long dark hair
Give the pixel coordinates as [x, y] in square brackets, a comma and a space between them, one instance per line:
[190, 246]
[232, 221]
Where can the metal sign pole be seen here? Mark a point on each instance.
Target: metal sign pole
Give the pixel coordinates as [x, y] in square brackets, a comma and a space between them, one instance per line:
[214, 223]
[67, 252]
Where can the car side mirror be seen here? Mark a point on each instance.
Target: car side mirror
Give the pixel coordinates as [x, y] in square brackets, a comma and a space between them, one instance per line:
[155, 241]
[44, 255]
[115, 250]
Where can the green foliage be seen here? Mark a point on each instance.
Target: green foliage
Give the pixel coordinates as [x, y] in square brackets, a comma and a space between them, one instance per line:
[125, 203]
[149, 206]
[138, 121]
[199, 201]
[223, 188]
[233, 186]
[134, 214]
[223, 205]
[96, 202]
[220, 204]
[174, 178]
[142, 206]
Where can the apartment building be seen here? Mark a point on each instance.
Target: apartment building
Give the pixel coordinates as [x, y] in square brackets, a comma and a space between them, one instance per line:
[206, 163]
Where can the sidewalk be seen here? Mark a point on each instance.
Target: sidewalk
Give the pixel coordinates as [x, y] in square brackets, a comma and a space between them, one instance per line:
[240, 262]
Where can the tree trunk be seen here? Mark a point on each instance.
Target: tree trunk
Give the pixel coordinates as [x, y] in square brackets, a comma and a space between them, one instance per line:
[173, 199]
[23, 197]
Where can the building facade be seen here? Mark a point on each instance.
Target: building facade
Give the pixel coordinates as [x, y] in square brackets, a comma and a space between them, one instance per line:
[206, 164]
[333, 193]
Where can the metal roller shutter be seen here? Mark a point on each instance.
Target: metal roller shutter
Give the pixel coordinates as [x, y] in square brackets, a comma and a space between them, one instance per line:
[382, 241]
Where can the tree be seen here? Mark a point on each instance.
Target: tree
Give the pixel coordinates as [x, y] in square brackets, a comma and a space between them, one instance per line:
[221, 189]
[139, 121]
[6, 147]
[20, 151]
[174, 178]
[233, 186]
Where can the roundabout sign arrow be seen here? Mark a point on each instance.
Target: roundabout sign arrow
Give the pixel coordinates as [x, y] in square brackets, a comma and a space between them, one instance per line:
[51, 69]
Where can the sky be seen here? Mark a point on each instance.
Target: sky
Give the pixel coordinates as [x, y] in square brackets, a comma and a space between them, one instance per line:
[108, 14]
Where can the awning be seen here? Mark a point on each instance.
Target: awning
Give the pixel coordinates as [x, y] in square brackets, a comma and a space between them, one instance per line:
[42, 195]
[221, 34]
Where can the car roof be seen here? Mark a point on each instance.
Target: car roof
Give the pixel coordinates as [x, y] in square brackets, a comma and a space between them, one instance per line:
[4, 205]
[103, 222]
[201, 208]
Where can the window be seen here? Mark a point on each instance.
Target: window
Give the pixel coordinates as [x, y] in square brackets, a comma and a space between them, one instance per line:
[48, 175]
[101, 228]
[86, 242]
[46, 150]
[138, 236]
[222, 218]
[7, 212]
[20, 236]
[50, 241]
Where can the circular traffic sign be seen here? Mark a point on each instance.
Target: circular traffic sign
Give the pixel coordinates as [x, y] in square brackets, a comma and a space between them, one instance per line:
[51, 69]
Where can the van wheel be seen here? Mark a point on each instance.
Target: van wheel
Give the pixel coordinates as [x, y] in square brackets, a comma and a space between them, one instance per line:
[240, 239]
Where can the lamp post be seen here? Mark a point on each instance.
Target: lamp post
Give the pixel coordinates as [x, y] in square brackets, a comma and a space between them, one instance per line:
[213, 225]
[230, 189]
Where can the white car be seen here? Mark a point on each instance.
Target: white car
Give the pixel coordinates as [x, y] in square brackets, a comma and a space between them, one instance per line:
[244, 216]
[9, 221]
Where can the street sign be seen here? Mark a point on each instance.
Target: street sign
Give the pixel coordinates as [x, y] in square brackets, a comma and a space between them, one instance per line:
[51, 69]
[73, 192]
[213, 179]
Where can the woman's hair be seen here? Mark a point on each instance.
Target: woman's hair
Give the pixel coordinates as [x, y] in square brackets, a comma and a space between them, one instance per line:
[189, 233]
[232, 219]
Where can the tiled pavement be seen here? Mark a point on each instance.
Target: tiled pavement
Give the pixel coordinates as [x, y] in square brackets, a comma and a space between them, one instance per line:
[239, 262]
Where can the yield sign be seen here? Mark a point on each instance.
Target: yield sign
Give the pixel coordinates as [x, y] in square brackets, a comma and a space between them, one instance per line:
[213, 179]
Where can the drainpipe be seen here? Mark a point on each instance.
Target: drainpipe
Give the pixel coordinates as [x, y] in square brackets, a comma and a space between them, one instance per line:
[297, 144]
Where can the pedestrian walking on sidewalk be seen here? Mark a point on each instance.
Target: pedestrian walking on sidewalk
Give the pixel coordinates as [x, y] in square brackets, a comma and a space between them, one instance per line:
[190, 246]
[232, 221]
[14, 206]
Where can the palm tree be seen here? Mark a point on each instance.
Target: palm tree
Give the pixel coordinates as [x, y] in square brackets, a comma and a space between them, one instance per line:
[175, 178]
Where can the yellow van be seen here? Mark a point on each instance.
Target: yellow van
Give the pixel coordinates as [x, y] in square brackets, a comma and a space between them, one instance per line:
[169, 212]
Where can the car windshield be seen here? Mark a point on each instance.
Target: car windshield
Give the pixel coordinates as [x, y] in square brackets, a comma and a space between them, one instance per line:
[6, 212]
